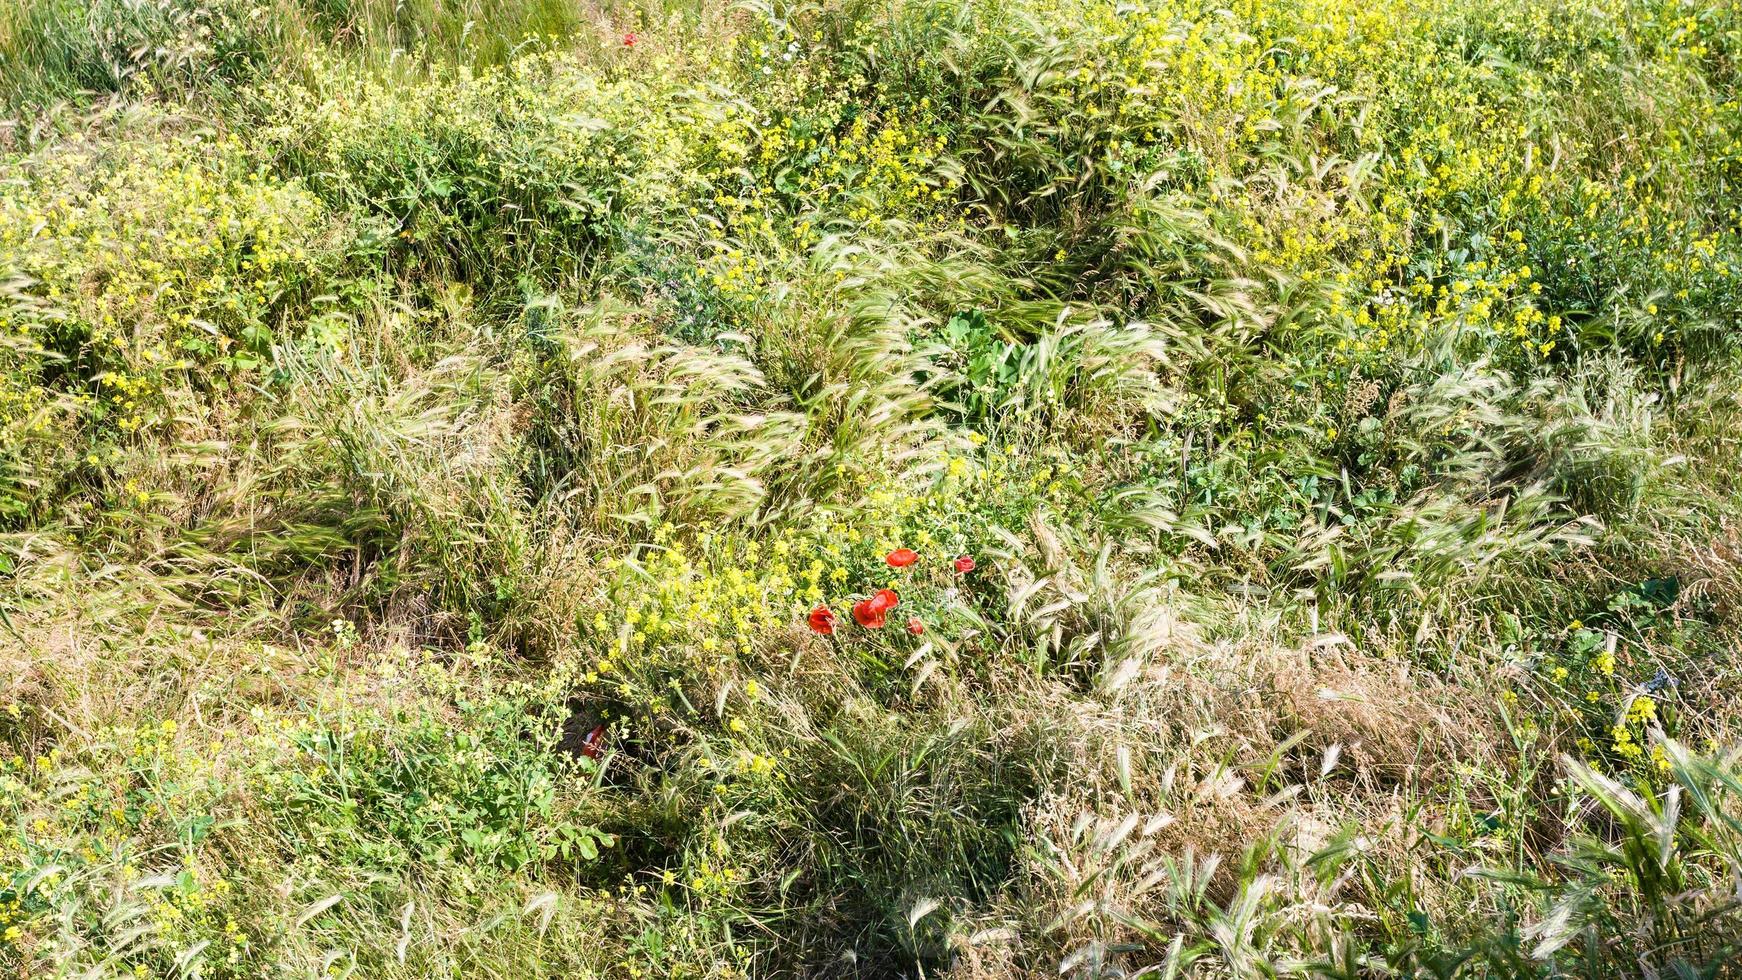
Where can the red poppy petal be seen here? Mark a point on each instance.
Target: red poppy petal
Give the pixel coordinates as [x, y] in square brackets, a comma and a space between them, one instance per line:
[822, 620]
[914, 626]
[870, 613]
[594, 743]
[902, 557]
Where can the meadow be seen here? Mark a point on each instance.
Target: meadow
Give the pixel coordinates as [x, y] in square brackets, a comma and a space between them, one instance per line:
[830, 488]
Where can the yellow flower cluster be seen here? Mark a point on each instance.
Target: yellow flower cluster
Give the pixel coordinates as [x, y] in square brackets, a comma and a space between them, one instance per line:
[1627, 732]
[696, 603]
[869, 174]
[702, 603]
[133, 268]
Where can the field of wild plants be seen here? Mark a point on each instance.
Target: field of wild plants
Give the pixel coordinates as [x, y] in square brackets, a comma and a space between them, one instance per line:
[926, 488]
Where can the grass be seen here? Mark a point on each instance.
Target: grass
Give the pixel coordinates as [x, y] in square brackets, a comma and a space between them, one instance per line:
[452, 458]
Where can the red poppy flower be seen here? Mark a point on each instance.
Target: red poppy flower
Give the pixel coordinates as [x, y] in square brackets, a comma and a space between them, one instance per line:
[594, 743]
[869, 614]
[629, 39]
[902, 557]
[822, 620]
[914, 626]
[873, 613]
[964, 564]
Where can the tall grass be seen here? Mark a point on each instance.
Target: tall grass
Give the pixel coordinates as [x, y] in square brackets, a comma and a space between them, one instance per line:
[56, 51]
[452, 458]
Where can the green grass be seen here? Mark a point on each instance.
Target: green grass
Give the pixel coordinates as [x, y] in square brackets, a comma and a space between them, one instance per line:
[428, 432]
[77, 51]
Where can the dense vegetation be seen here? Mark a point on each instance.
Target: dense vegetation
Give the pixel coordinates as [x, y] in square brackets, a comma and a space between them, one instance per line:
[452, 459]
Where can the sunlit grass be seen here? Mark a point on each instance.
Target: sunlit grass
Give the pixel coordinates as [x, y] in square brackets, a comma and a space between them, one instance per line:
[1034, 488]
